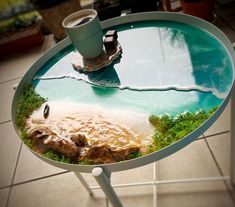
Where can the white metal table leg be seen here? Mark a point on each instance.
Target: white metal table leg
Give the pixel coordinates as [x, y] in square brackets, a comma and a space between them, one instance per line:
[103, 180]
[84, 183]
[154, 185]
[233, 138]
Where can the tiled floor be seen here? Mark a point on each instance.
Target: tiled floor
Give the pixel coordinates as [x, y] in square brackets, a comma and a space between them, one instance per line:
[27, 181]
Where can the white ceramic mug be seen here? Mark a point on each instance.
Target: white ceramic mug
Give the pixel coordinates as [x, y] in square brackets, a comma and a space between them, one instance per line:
[84, 30]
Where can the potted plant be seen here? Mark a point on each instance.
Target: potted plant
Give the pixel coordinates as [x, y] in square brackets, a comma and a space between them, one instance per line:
[199, 8]
[20, 27]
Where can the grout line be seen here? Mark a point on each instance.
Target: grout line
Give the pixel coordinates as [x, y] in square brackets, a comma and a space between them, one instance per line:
[44, 177]
[212, 135]
[2, 82]
[214, 158]
[8, 197]
[13, 176]
[4, 187]
[36, 179]
[17, 161]
[4, 122]
[199, 138]
[220, 171]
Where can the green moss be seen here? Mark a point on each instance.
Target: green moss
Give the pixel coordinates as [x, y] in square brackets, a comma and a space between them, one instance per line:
[24, 136]
[86, 162]
[135, 155]
[169, 129]
[57, 157]
[28, 102]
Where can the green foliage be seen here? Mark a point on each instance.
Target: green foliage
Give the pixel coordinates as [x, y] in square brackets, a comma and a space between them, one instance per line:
[19, 21]
[135, 155]
[169, 129]
[24, 136]
[28, 102]
[86, 162]
[57, 157]
[5, 4]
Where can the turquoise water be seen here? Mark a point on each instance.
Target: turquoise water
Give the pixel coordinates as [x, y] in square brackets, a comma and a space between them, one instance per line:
[157, 56]
[149, 102]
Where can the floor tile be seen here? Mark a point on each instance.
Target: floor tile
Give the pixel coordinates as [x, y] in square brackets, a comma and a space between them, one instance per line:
[50, 42]
[139, 174]
[220, 146]
[136, 175]
[194, 161]
[8, 68]
[232, 191]
[3, 196]
[60, 191]
[198, 199]
[16, 66]
[191, 162]
[137, 201]
[130, 196]
[89, 179]
[30, 167]
[6, 97]
[9, 149]
[135, 196]
[222, 124]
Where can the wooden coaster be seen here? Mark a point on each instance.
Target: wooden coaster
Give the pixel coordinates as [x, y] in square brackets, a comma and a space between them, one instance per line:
[88, 65]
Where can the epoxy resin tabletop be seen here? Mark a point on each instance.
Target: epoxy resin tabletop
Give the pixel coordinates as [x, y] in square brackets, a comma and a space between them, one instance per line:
[170, 64]
[166, 67]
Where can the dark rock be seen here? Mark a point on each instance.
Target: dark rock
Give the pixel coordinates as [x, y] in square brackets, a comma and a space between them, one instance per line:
[111, 33]
[110, 43]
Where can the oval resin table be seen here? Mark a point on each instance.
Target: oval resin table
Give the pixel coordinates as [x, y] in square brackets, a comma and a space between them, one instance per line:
[170, 64]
